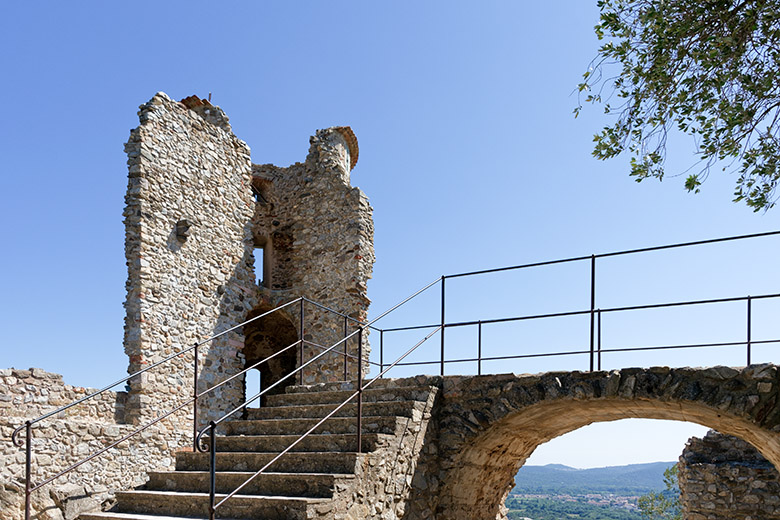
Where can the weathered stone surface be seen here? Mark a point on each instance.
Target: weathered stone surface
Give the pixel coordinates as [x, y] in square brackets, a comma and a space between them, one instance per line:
[185, 165]
[722, 478]
[72, 500]
[67, 438]
[316, 235]
[486, 426]
[196, 212]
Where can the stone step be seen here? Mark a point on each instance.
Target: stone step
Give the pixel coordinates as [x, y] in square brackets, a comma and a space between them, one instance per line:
[384, 408]
[278, 443]
[196, 505]
[311, 485]
[371, 395]
[293, 462]
[418, 381]
[333, 425]
[108, 515]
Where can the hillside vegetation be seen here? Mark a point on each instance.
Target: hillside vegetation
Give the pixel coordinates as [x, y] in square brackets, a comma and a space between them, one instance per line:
[556, 479]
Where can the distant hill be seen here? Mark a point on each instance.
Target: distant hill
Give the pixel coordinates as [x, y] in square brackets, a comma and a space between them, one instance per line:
[556, 479]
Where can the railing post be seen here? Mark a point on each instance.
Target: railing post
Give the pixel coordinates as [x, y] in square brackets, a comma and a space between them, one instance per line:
[300, 373]
[212, 468]
[479, 348]
[346, 370]
[195, 403]
[442, 324]
[381, 350]
[360, 391]
[598, 343]
[749, 319]
[27, 469]
[592, 309]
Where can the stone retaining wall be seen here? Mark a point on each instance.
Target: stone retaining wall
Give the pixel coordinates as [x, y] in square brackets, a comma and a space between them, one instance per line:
[67, 438]
[724, 478]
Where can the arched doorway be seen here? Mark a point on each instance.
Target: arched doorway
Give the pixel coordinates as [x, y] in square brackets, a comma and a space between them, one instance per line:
[264, 337]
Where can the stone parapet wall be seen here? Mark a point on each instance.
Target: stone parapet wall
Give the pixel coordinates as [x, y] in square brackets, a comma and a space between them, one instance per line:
[34, 392]
[724, 478]
[67, 438]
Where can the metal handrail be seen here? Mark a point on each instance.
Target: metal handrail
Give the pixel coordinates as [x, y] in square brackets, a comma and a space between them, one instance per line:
[595, 349]
[580, 352]
[593, 312]
[213, 505]
[344, 340]
[595, 352]
[212, 426]
[27, 426]
[616, 253]
[345, 316]
[587, 311]
[61, 409]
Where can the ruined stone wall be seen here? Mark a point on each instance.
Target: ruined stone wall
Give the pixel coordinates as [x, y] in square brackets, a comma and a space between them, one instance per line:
[724, 478]
[34, 392]
[188, 246]
[317, 234]
[192, 225]
[67, 438]
[192, 230]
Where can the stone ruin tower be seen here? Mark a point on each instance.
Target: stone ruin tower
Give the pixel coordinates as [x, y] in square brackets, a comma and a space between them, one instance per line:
[198, 215]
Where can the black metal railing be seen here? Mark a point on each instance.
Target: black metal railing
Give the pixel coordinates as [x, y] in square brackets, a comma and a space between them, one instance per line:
[594, 352]
[357, 395]
[594, 349]
[192, 402]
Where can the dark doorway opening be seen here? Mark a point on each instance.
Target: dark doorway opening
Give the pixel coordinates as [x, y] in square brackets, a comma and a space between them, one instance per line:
[262, 338]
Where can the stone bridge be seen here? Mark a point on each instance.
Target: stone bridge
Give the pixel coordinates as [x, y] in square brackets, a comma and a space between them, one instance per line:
[483, 428]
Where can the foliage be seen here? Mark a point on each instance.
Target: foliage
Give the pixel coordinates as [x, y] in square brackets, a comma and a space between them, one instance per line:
[664, 505]
[555, 509]
[706, 67]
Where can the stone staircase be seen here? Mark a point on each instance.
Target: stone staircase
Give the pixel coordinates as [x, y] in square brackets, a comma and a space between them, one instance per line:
[324, 477]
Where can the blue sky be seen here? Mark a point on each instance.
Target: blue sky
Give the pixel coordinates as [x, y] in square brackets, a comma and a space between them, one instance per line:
[469, 154]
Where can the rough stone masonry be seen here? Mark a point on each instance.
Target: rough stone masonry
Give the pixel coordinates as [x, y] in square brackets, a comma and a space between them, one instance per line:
[723, 477]
[197, 214]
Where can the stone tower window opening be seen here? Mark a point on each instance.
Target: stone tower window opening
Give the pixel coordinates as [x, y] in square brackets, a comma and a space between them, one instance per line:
[258, 195]
[259, 265]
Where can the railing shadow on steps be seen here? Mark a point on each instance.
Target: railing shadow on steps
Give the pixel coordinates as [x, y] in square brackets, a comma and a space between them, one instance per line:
[594, 352]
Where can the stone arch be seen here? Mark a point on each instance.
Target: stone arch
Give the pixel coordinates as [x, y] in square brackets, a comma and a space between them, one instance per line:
[267, 336]
[489, 429]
